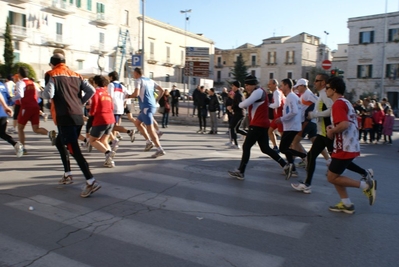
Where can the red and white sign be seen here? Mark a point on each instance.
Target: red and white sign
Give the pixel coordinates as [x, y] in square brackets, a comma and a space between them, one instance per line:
[326, 64]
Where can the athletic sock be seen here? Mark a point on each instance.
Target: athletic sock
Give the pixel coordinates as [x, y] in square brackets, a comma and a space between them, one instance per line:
[347, 202]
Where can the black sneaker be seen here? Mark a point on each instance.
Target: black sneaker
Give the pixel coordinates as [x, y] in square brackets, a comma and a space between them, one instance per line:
[340, 207]
[236, 174]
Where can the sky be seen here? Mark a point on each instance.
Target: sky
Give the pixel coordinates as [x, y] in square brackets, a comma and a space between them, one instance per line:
[231, 23]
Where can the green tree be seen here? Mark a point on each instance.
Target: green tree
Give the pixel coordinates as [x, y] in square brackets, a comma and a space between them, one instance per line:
[8, 50]
[240, 71]
[15, 67]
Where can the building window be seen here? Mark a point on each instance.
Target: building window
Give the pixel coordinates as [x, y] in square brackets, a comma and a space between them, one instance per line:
[168, 54]
[219, 59]
[271, 75]
[194, 80]
[16, 45]
[307, 76]
[167, 78]
[16, 57]
[102, 38]
[218, 76]
[253, 60]
[366, 37]
[289, 75]
[58, 35]
[100, 8]
[151, 75]
[126, 17]
[80, 64]
[364, 71]
[393, 35]
[392, 71]
[290, 57]
[17, 19]
[151, 50]
[71, 2]
[253, 73]
[89, 5]
[78, 3]
[271, 57]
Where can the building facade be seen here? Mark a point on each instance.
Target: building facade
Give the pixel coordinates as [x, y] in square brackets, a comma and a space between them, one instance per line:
[280, 57]
[373, 56]
[95, 35]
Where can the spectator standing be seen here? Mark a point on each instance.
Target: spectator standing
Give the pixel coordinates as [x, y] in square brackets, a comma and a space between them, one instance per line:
[195, 95]
[213, 107]
[202, 102]
[378, 119]
[175, 95]
[388, 126]
[165, 102]
[224, 94]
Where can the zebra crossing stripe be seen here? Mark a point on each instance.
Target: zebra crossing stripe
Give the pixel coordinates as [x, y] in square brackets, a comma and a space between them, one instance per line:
[177, 244]
[17, 253]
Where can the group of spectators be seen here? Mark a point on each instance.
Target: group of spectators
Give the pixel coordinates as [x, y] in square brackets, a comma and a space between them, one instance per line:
[376, 119]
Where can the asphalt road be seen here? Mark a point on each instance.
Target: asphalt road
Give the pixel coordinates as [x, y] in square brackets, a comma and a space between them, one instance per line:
[182, 209]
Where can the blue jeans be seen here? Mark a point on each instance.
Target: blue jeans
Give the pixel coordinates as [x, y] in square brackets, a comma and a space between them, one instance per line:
[165, 119]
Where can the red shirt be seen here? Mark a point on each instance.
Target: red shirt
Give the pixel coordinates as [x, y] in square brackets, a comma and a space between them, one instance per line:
[29, 99]
[102, 107]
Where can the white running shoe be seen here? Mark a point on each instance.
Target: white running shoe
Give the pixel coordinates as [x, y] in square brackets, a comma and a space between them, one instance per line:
[19, 149]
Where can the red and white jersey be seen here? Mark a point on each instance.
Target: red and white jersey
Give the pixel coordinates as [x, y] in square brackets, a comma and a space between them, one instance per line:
[27, 93]
[346, 143]
[258, 108]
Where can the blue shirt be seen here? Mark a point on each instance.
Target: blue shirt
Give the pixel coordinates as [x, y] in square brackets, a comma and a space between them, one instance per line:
[146, 96]
[7, 97]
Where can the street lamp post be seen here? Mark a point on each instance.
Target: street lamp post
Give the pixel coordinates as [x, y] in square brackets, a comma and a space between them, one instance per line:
[325, 50]
[185, 44]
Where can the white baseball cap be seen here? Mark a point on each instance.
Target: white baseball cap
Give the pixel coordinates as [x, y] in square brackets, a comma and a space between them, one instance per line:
[301, 81]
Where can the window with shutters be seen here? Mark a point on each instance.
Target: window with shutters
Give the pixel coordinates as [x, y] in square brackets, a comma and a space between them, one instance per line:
[289, 75]
[17, 19]
[271, 57]
[364, 71]
[393, 35]
[100, 8]
[78, 3]
[89, 5]
[271, 75]
[290, 57]
[366, 37]
[392, 71]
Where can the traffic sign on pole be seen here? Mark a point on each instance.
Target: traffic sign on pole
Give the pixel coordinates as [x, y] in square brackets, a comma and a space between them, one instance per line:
[326, 64]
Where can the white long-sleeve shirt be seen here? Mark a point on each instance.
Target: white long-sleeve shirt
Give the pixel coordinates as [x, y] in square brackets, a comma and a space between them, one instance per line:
[322, 112]
[291, 118]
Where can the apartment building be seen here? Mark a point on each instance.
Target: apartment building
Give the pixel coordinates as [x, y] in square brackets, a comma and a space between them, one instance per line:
[279, 57]
[225, 60]
[104, 33]
[373, 56]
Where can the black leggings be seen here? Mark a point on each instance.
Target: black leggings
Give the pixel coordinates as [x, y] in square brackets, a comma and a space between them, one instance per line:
[202, 113]
[68, 137]
[3, 134]
[285, 143]
[234, 126]
[258, 134]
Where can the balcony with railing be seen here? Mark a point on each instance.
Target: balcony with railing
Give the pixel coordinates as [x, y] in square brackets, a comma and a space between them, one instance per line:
[99, 49]
[219, 65]
[55, 40]
[100, 19]
[18, 32]
[151, 59]
[59, 7]
[167, 62]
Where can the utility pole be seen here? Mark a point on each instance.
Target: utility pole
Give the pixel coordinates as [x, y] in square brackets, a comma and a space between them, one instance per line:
[185, 44]
[142, 37]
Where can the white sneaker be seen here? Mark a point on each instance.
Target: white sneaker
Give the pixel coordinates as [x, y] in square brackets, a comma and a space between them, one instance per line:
[159, 153]
[148, 146]
[115, 145]
[235, 146]
[228, 143]
[19, 149]
[109, 162]
[302, 188]
[45, 116]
